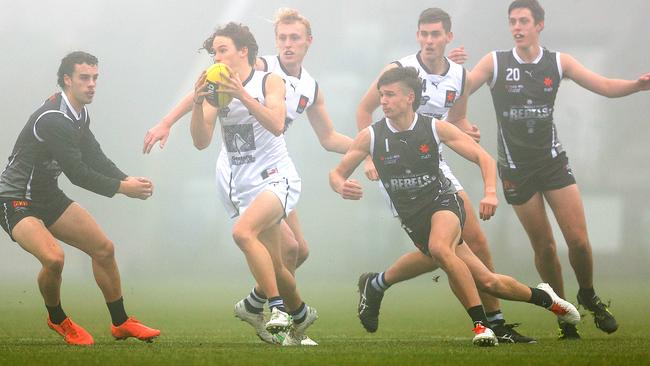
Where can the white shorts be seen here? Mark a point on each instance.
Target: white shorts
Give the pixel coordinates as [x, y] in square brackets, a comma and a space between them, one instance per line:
[283, 180]
[446, 170]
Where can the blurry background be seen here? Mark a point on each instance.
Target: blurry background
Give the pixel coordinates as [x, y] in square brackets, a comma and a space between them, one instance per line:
[149, 60]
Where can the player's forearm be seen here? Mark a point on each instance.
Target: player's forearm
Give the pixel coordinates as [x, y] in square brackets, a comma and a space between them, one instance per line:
[336, 180]
[272, 119]
[182, 108]
[364, 117]
[199, 128]
[336, 142]
[488, 172]
[616, 88]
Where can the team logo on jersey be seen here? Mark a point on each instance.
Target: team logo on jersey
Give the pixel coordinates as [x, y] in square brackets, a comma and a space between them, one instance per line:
[548, 84]
[302, 104]
[238, 140]
[424, 152]
[450, 98]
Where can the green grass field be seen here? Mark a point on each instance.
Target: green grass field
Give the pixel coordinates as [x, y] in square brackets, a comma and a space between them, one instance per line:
[421, 323]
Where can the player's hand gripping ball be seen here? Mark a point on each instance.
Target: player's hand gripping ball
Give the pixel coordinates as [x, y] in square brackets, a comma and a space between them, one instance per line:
[214, 76]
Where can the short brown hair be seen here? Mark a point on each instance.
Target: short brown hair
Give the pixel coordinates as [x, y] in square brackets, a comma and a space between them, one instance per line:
[533, 5]
[74, 58]
[241, 36]
[408, 77]
[435, 15]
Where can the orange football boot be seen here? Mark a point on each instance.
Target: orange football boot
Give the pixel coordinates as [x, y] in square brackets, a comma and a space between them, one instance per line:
[133, 328]
[71, 332]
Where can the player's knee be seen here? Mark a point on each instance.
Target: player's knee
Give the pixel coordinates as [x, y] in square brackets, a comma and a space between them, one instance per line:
[478, 244]
[488, 283]
[303, 251]
[545, 248]
[105, 250]
[53, 262]
[578, 244]
[242, 237]
[440, 254]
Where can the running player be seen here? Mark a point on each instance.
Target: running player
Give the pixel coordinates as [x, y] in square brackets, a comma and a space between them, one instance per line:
[257, 180]
[444, 97]
[35, 212]
[293, 37]
[532, 163]
[404, 147]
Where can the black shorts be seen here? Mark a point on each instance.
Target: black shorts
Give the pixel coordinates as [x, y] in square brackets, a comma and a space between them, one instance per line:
[48, 211]
[519, 185]
[419, 228]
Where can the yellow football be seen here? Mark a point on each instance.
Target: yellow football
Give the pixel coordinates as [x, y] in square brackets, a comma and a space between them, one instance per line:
[213, 76]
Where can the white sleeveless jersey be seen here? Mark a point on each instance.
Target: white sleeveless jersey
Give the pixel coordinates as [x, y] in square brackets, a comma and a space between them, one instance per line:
[252, 152]
[439, 93]
[302, 91]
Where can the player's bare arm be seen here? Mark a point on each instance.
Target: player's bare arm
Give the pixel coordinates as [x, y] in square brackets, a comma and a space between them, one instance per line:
[160, 132]
[204, 115]
[458, 115]
[272, 113]
[350, 188]
[462, 144]
[482, 73]
[367, 106]
[321, 123]
[611, 88]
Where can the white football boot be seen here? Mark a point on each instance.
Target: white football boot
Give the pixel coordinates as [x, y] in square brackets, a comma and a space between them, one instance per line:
[297, 336]
[256, 321]
[484, 337]
[564, 310]
[278, 322]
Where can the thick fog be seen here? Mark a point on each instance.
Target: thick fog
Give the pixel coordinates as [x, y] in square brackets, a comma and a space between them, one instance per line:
[149, 60]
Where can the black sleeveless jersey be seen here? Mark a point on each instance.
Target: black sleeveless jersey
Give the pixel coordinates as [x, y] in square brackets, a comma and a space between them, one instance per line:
[524, 97]
[407, 163]
[56, 140]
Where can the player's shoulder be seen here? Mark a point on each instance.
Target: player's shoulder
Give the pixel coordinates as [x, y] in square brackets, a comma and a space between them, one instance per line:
[408, 60]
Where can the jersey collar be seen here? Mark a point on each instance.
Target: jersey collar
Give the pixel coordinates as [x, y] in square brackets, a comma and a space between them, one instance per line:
[521, 61]
[394, 130]
[286, 71]
[425, 68]
[70, 108]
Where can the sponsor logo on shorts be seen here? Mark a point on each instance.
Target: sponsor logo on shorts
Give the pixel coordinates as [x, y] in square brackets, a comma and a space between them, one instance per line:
[17, 204]
[509, 187]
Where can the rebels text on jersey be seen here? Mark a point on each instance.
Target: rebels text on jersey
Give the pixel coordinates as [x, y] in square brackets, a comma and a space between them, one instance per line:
[408, 165]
